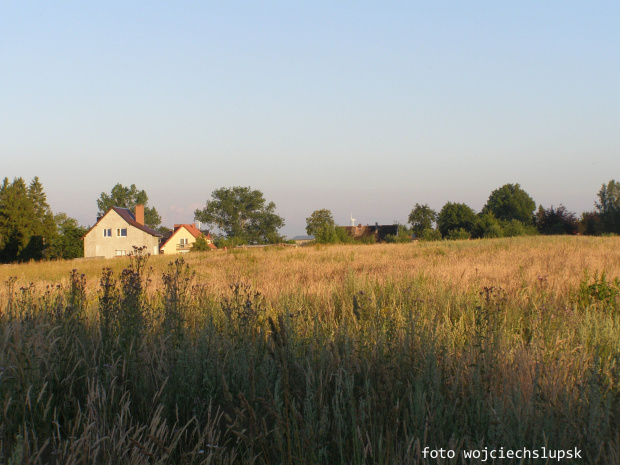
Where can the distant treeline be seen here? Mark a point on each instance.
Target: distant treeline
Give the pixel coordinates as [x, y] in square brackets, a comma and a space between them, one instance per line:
[30, 231]
[509, 211]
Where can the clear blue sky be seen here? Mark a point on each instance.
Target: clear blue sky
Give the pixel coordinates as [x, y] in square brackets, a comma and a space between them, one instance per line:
[363, 107]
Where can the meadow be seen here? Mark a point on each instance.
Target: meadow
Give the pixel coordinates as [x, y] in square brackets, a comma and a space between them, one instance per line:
[360, 354]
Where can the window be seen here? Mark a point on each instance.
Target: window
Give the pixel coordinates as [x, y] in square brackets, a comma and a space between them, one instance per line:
[183, 241]
[121, 232]
[120, 253]
[107, 232]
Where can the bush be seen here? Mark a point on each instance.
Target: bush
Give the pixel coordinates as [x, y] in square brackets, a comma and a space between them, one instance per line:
[228, 242]
[599, 290]
[200, 245]
[487, 226]
[515, 228]
[429, 235]
[458, 235]
[325, 234]
[493, 231]
[404, 236]
[343, 236]
[398, 239]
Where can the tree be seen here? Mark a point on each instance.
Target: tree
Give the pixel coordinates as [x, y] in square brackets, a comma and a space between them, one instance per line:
[319, 220]
[422, 218]
[455, 216]
[553, 221]
[321, 225]
[609, 206]
[510, 202]
[44, 225]
[129, 197]
[26, 223]
[68, 240]
[16, 213]
[242, 213]
[591, 224]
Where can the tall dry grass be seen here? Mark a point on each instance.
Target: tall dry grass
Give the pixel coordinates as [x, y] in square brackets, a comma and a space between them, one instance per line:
[339, 354]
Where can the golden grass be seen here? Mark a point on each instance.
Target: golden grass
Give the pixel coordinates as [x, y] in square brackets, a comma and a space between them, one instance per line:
[557, 263]
[358, 354]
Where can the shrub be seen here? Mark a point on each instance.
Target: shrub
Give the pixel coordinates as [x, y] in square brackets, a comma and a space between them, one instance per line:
[343, 236]
[429, 235]
[458, 234]
[325, 234]
[404, 236]
[200, 245]
[487, 226]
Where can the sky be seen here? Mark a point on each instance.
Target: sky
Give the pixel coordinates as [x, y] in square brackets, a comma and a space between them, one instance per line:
[362, 108]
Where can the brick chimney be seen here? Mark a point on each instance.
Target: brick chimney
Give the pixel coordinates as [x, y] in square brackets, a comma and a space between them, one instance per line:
[140, 214]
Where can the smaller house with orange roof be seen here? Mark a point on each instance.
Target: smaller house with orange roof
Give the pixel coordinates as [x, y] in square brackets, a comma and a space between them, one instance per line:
[183, 238]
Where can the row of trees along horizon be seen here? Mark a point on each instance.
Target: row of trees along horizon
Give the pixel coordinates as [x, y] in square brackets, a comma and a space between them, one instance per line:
[29, 230]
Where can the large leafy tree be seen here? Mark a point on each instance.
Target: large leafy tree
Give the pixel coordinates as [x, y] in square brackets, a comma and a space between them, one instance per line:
[510, 202]
[454, 217]
[129, 197]
[321, 225]
[421, 219]
[609, 206]
[27, 225]
[242, 213]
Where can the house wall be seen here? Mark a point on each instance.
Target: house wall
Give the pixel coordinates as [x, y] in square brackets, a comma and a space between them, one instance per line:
[96, 245]
[175, 239]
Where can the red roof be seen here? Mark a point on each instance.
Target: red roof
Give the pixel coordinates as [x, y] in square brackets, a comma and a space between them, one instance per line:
[193, 230]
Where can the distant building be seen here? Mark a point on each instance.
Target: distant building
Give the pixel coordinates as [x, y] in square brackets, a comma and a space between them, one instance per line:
[117, 232]
[183, 238]
[378, 232]
[300, 240]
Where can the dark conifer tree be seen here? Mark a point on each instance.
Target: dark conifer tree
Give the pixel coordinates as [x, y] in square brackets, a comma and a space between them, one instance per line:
[16, 220]
[43, 226]
[27, 225]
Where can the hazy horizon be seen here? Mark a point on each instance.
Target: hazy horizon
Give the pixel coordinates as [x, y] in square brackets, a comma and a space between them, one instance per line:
[363, 109]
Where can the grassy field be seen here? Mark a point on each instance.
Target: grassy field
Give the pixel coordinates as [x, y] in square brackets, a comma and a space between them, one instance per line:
[325, 354]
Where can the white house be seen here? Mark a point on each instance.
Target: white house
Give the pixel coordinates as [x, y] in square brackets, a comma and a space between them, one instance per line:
[117, 232]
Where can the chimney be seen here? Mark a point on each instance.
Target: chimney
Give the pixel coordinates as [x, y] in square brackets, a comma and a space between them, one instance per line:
[140, 214]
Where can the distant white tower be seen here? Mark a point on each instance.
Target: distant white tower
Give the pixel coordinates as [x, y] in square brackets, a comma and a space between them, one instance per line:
[352, 220]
